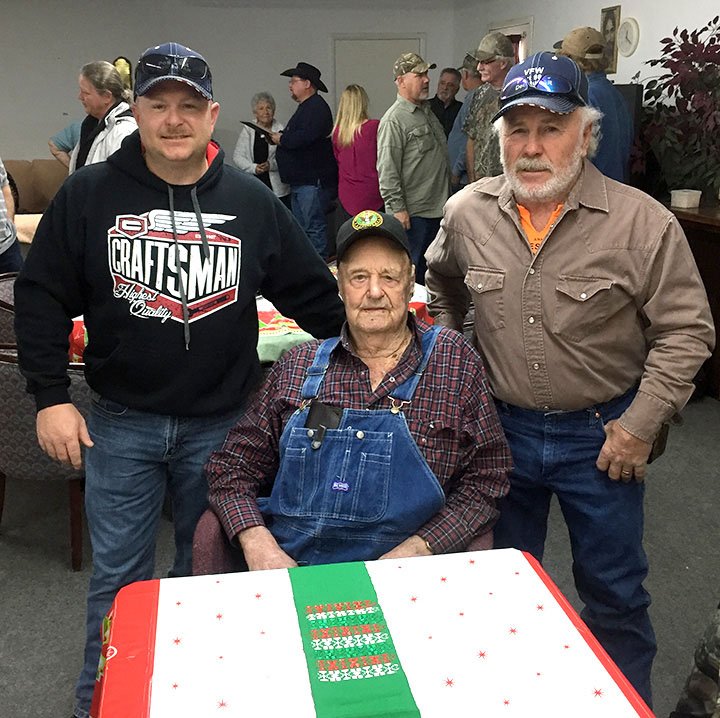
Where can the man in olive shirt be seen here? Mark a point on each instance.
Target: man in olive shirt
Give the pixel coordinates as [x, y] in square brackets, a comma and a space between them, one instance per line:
[412, 159]
[592, 320]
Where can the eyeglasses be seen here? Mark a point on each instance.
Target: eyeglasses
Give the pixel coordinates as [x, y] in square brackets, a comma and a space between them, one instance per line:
[193, 68]
[488, 62]
[547, 85]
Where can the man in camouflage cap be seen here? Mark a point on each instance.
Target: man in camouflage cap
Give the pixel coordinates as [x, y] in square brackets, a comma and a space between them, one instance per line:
[495, 56]
[412, 158]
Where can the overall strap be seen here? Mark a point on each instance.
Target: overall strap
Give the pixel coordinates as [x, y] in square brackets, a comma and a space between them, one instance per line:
[406, 390]
[316, 371]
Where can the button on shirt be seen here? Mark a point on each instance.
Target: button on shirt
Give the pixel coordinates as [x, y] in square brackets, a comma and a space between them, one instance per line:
[612, 299]
[451, 418]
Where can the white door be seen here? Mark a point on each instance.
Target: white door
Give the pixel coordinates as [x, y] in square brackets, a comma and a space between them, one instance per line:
[368, 61]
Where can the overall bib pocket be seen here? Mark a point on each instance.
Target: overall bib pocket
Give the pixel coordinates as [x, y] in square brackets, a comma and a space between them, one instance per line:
[356, 490]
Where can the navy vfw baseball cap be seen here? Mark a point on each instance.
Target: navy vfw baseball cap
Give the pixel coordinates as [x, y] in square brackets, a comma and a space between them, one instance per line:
[547, 80]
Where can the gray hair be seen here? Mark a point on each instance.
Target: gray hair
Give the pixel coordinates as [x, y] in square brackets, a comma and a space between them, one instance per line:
[259, 97]
[589, 116]
[105, 78]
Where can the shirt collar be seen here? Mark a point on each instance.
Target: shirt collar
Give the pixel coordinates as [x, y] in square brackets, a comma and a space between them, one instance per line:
[413, 325]
[409, 106]
[589, 190]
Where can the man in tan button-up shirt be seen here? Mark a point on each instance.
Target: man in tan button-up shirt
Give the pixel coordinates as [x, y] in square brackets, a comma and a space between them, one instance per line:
[592, 320]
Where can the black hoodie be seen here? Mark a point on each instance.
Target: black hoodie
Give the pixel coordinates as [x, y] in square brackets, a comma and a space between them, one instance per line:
[107, 247]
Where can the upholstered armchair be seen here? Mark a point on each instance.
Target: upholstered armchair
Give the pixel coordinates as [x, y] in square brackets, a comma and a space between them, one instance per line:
[21, 457]
[7, 331]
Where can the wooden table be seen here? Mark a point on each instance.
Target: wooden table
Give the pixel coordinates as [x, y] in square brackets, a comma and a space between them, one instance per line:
[702, 228]
[469, 634]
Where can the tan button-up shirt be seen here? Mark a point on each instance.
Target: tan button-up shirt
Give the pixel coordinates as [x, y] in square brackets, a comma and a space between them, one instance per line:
[611, 300]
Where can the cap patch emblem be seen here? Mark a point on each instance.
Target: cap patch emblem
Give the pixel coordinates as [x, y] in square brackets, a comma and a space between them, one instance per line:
[534, 75]
[366, 218]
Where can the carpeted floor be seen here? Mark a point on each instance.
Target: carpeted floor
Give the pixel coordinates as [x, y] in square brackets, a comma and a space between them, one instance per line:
[42, 601]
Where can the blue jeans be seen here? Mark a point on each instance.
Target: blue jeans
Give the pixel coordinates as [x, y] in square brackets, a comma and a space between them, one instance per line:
[555, 453]
[11, 259]
[309, 205]
[421, 233]
[137, 456]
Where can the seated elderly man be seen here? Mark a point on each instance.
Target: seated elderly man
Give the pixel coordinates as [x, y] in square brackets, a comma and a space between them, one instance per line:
[381, 443]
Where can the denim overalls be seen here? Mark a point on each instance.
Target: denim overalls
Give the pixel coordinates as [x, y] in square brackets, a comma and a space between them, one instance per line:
[363, 490]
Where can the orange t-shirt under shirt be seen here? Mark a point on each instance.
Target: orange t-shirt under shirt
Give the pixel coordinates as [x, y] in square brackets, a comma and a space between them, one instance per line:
[536, 237]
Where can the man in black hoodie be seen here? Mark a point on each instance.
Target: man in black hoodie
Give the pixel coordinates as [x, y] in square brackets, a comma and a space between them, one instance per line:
[162, 248]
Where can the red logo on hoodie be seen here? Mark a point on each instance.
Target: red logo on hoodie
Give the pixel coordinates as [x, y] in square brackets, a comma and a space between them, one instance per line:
[154, 264]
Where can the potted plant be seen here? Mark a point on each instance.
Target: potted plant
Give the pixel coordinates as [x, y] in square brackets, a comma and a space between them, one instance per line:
[681, 112]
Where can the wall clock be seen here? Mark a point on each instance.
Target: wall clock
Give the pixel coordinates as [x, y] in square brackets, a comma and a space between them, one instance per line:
[628, 36]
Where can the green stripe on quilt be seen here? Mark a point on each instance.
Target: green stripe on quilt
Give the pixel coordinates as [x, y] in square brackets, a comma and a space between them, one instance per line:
[353, 667]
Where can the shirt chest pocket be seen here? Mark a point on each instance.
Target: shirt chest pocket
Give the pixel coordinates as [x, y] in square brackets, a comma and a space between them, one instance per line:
[422, 139]
[486, 289]
[584, 303]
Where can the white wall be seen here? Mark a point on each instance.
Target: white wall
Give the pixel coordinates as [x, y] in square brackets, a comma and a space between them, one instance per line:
[43, 45]
[552, 20]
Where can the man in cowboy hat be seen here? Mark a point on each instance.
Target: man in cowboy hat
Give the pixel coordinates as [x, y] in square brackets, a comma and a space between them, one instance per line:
[305, 156]
[592, 320]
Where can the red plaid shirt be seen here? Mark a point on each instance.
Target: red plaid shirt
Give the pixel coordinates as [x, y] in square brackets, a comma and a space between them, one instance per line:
[452, 419]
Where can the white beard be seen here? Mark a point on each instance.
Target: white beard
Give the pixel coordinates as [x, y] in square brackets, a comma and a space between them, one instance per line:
[555, 188]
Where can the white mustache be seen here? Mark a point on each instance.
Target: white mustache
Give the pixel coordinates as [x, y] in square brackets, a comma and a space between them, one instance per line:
[525, 164]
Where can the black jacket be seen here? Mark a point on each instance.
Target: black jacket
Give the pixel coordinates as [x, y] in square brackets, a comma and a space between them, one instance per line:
[106, 248]
[305, 153]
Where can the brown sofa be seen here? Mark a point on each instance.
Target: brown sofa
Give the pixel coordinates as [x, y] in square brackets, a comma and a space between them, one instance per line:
[37, 182]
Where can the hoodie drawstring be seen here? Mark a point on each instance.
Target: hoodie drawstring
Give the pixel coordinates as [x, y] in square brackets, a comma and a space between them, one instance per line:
[198, 216]
[183, 292]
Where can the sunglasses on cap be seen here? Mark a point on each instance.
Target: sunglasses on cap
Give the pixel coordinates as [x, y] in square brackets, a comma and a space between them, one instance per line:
[193, 68]
[547, 85]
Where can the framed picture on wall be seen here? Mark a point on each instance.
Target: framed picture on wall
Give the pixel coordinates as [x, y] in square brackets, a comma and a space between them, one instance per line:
[609, 23]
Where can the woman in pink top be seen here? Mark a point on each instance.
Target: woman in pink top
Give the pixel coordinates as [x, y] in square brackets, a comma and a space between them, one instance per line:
[354, 140]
